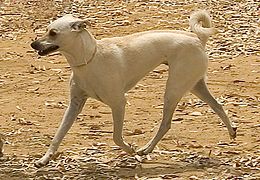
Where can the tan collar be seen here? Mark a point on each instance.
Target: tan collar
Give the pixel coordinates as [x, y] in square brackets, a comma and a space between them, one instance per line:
[93, 55]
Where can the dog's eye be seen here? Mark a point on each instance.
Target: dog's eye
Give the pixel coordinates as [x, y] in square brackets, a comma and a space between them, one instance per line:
[52, 33]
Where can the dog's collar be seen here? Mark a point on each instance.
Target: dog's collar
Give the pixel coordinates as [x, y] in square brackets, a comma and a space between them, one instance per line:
[93, 55]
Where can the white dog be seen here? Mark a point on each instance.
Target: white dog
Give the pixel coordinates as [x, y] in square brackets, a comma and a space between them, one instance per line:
[106, 69]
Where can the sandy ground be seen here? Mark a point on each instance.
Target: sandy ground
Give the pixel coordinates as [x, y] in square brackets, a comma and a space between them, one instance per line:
[33, 98]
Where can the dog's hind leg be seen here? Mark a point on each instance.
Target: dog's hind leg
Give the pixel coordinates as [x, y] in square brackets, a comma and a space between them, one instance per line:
[202, 92]
[77, 101]
[179, 82]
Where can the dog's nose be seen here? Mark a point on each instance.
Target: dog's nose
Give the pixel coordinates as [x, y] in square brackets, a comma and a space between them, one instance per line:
[35, 44]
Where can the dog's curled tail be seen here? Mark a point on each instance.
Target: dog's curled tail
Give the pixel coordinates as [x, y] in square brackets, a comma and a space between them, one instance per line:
[200, 24]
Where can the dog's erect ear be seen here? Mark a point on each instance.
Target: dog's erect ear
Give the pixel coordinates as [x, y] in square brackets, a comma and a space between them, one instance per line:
[79, 25]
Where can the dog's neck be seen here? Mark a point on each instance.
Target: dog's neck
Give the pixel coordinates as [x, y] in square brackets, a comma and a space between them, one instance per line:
[82, 51]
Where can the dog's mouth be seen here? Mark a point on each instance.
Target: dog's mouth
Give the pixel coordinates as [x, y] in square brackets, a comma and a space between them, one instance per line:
[44, 48]
[48, 50]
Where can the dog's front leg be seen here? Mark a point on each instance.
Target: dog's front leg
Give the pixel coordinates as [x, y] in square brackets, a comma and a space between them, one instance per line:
[118, 113]
[75, 107]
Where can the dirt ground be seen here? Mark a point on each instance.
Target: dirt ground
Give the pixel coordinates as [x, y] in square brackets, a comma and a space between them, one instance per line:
[34, 95]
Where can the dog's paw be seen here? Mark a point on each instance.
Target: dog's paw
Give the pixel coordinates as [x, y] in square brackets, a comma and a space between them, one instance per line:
[130, 149]
[40, 164]
[234, 134]
[143, 151]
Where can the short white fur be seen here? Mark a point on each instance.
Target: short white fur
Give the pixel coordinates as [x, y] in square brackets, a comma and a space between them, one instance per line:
[106, 69]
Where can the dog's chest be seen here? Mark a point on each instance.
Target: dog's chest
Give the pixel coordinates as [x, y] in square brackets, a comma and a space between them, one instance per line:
[88, 83]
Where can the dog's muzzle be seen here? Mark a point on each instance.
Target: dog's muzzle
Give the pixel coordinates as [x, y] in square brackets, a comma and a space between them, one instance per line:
[44, 49]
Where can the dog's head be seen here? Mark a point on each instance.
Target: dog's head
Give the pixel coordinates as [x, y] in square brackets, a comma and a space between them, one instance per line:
[60, 34]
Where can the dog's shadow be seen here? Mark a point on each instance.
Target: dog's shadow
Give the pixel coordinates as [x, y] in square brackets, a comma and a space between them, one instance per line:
[152, 169]
[170, 170]
[119, 168]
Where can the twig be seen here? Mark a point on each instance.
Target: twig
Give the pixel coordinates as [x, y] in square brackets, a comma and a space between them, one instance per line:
[11, 14]
[101, 131]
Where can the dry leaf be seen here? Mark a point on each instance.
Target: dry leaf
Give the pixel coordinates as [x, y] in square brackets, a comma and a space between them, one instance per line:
[196, 113]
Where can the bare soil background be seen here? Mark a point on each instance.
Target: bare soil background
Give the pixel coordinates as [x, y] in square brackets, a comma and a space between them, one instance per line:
[34, 95]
